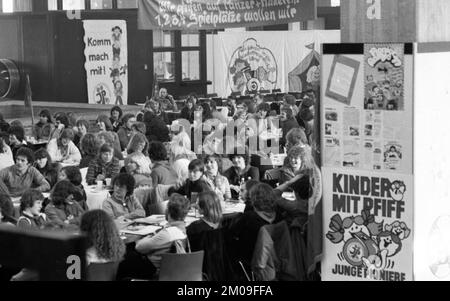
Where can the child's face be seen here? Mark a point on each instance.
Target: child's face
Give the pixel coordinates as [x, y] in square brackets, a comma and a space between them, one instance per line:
[239, 162]
[106, 157]
[37, 207]
[195, 175]
[120, 192]
[101, 125]
[115, 115]
[13, 140]
[43, 119]
[211, 166]
[42, 162]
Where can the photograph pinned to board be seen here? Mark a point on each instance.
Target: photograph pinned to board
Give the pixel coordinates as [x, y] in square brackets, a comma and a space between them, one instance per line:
[392, 155]
[342, 80]
[384, 77]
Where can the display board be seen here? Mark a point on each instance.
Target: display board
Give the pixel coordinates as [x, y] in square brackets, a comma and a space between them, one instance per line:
[370, 127]
[106, 64]
[367, 161]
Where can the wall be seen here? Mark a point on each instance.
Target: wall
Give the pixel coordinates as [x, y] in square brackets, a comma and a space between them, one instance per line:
[51, 48]
[431, 164]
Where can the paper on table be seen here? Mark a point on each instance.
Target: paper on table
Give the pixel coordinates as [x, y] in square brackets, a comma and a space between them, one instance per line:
[233, 208]
[152, 220]
[140, 230]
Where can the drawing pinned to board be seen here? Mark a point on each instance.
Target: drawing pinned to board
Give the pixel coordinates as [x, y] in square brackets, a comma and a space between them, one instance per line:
[384, 77]
[342, 79]
[392, 156]
[252, 68]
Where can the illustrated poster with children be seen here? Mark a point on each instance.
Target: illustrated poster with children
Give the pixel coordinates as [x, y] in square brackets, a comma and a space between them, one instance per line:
[368, 226]
[106, 61]
[384, 77]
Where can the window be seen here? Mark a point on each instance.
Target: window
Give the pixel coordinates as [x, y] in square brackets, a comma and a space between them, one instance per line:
[101, 4]
[127, 4]
[73, 4]
[190, 40]
[177, 56]
[190, 61]
[10, 6]
[164, 66]
[163, 38]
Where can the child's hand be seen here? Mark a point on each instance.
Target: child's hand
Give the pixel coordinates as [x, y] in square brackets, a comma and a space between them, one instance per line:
[100, 177]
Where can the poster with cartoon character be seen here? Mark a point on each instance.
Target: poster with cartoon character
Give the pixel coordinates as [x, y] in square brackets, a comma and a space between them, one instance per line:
[252, 68]
[368, 226]
[384, 77]
[106, 61]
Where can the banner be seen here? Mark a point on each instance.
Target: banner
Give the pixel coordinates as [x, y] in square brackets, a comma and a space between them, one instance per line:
[106, 61]
[218, 14]
[368, 221]
[248, 62]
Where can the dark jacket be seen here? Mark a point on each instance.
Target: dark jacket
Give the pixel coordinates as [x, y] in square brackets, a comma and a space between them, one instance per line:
[245, 232]
[234, 178]
[187, 114]
[157, 130]
[86, 159]
[286, 126]
[189, 187]
[50, 172]
[275, 257]
[197, 227]
[124, 137]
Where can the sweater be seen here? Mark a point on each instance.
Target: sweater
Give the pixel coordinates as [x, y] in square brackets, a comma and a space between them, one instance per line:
[129, 209]
[220, 185]
[97, 167]
[124, 137]
[163, 173]
[162, 242]
[27, 221]
[43, 131]
[58, 215]
[73, 153]
[14, 184]
[50, 172]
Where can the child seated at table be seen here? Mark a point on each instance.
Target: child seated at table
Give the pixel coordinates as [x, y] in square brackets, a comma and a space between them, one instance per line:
[196, 182]
[63, 212]
[211, 209]
[172, 238]
[16, 179]
[104, 242]
[122, 203]
[73, 175]
[30, 207]
[104, 166]
[63, 149]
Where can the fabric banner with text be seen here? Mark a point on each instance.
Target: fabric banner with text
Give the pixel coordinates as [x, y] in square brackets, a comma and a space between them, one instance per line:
[218, 14]
[106, 61]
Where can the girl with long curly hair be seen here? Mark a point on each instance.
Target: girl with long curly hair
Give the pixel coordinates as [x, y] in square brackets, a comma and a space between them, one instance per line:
[104, 242]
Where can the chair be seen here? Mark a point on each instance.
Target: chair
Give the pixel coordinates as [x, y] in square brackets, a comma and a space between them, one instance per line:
[102, 271]
[181, 267]
[158, 208]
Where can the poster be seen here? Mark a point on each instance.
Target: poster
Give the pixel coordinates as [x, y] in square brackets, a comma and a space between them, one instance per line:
[252, 67]
[210, 15]
[342, 79]
[368, 221]
[106, 61]
[384, 77]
